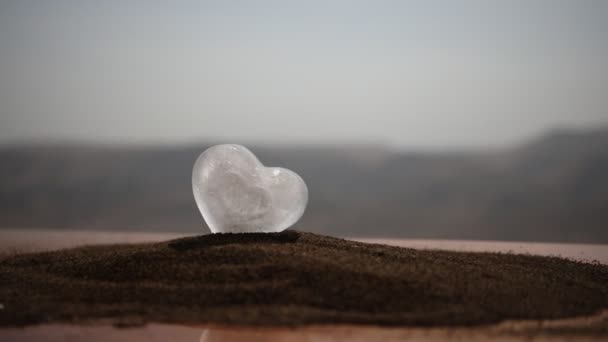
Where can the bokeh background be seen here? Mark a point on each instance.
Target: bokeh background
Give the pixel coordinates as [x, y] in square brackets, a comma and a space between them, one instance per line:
[407, 119]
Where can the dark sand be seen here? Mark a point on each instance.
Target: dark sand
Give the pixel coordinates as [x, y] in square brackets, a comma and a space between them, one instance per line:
[292, 278]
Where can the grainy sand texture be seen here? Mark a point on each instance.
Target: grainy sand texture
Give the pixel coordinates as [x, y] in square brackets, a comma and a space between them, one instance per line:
[292, 278]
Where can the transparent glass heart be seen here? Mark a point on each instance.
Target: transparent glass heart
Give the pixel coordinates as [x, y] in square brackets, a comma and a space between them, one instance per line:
[237, 194]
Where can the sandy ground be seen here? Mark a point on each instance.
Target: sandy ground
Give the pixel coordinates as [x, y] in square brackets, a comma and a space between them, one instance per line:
[29, 240]
[593, 328]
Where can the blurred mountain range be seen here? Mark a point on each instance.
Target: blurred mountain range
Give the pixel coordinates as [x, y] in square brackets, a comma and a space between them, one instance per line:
[551, 189]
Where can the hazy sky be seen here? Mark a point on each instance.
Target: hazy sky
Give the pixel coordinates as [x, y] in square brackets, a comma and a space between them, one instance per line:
[409, 73]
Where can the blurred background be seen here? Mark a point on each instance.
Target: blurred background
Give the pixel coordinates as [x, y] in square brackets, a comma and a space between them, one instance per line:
[407, 119]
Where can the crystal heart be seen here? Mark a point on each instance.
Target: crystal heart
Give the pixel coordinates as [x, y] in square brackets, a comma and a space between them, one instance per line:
[237, 194]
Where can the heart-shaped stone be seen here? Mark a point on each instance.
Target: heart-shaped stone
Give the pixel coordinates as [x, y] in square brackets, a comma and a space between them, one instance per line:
[237, 194]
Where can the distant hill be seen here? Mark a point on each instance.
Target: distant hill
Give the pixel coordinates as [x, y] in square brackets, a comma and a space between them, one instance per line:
[552, 189]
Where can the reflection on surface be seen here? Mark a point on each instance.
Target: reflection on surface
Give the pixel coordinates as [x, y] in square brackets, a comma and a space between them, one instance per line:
[586, 328]
[591, 328]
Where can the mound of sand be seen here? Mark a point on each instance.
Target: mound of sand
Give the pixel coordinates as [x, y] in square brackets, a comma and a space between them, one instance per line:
[293, 278]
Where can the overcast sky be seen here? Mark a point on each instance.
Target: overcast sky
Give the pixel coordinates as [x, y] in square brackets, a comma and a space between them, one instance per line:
[423, 73]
